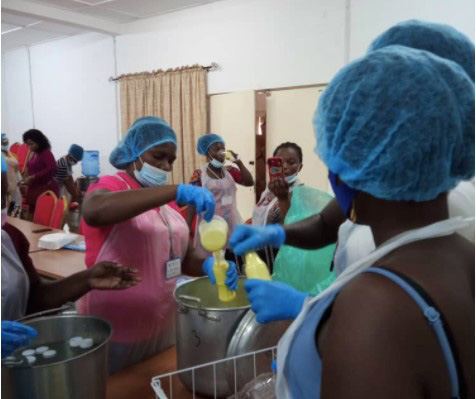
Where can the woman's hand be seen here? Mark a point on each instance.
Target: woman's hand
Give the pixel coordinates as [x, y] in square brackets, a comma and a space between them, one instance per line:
[26, 181]
[235, 158]
[280, 188]
[111, 276]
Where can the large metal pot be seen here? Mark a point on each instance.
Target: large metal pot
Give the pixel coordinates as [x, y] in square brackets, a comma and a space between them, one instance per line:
[209, 330]
[79, 377]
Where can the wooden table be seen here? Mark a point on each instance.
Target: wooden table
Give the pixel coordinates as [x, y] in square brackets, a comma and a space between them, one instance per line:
[28, 228]
[58, 263]
[54, 264]
[134, 382]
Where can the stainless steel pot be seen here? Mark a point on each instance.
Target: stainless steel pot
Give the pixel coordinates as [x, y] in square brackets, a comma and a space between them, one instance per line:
[79, 377]
[209, 330]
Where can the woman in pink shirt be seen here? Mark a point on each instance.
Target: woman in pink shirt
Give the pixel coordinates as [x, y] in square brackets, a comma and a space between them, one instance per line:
[40, 168]
[127, 220]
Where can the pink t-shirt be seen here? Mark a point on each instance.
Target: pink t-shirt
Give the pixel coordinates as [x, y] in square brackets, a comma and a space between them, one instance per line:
[96, 236]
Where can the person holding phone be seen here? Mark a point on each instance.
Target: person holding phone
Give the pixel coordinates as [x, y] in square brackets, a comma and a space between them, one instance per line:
[221, 180]
[276, 199]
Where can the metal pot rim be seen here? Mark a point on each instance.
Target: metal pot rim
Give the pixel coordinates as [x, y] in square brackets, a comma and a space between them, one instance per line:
[76, 357]
[211, 309]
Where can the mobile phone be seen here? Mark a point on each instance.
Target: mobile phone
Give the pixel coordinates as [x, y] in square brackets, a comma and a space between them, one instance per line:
[41, 230]
[275, 166]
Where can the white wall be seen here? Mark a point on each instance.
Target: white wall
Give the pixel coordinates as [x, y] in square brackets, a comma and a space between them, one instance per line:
[369, 18]
[16, 99]
[73, 99]
[257, 43]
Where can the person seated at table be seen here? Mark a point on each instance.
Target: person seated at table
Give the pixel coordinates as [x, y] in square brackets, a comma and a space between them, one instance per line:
[64, 172]
[39, 169]
[24, 292]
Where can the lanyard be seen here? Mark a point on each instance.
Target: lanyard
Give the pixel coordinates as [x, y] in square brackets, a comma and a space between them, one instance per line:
[163, 215]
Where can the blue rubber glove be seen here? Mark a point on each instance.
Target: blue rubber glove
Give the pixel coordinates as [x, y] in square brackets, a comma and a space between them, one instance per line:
[15, 335]
[273, 300]
[201, 198]
[246, 238]
[232, 273]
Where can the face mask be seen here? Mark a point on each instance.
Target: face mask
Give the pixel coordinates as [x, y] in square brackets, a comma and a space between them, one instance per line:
[291, 179]
[344, 194]
[354, 241]
[150, 176]
[5, 148]
[4, 216]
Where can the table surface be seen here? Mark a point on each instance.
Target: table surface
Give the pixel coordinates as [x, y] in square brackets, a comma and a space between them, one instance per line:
[59, 263]
[134, 382]
[28, 228]
[54, 264]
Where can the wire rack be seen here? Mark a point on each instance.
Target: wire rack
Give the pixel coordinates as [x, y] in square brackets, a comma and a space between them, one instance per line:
[169, 383]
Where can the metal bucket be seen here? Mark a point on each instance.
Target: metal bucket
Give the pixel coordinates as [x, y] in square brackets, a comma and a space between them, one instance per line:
[209, 330]
[79, 377]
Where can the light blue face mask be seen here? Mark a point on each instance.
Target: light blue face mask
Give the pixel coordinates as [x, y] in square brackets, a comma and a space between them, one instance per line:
[150, 176]
[291, 179]
[216, 163]
[4, 147]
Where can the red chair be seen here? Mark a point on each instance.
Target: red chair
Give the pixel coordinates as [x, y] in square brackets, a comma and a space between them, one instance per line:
[23, 156]
[14, 149]
[59, 213]
[45, 206]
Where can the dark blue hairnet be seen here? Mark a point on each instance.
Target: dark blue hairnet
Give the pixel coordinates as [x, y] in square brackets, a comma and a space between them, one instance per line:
[144, 133]
[439, 39]
[398, 124]
[204, 142]
[76, 151]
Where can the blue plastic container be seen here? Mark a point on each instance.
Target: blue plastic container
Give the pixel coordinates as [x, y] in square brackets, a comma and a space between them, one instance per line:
[90, 164]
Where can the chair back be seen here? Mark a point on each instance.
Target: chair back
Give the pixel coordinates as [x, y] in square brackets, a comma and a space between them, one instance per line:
[59, 213]
[45, 206]
[14, 149]
[23, 155]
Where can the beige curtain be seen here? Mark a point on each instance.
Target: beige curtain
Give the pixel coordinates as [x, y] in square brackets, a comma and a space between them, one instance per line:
[179, 97]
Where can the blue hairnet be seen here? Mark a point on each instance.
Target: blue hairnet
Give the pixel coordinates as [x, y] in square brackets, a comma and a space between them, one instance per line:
[4, 136]
[4, 163]
[442, 40]
[144, 133]
[204, 142]
[398, 124]
[76, 151]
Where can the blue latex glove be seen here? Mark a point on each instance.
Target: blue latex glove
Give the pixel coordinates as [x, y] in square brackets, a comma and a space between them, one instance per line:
[246, 238]
[232, 273]
[15, 335]
[273, 300]
[201, 198]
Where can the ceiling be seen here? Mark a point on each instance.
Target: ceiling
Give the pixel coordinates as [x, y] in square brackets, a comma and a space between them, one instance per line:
[26, 23]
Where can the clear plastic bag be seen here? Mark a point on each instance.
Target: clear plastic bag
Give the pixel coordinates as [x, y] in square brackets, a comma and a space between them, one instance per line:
[305, 270]
[262, 387]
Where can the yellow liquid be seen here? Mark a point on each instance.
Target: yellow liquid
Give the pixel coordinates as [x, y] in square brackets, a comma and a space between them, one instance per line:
[219, 270]
[228, 155]
[213, 239]
[255, 267]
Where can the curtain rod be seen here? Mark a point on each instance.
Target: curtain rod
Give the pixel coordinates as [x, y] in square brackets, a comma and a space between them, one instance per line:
[212, 67]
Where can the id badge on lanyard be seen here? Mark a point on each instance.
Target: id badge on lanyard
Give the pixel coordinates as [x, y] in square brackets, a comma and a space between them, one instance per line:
[173, 266]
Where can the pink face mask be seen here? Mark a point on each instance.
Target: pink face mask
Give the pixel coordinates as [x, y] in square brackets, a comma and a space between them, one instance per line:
[4, 216]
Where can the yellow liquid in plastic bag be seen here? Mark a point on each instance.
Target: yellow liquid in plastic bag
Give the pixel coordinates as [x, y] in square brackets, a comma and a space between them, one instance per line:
[255, 267]
[219, 270]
